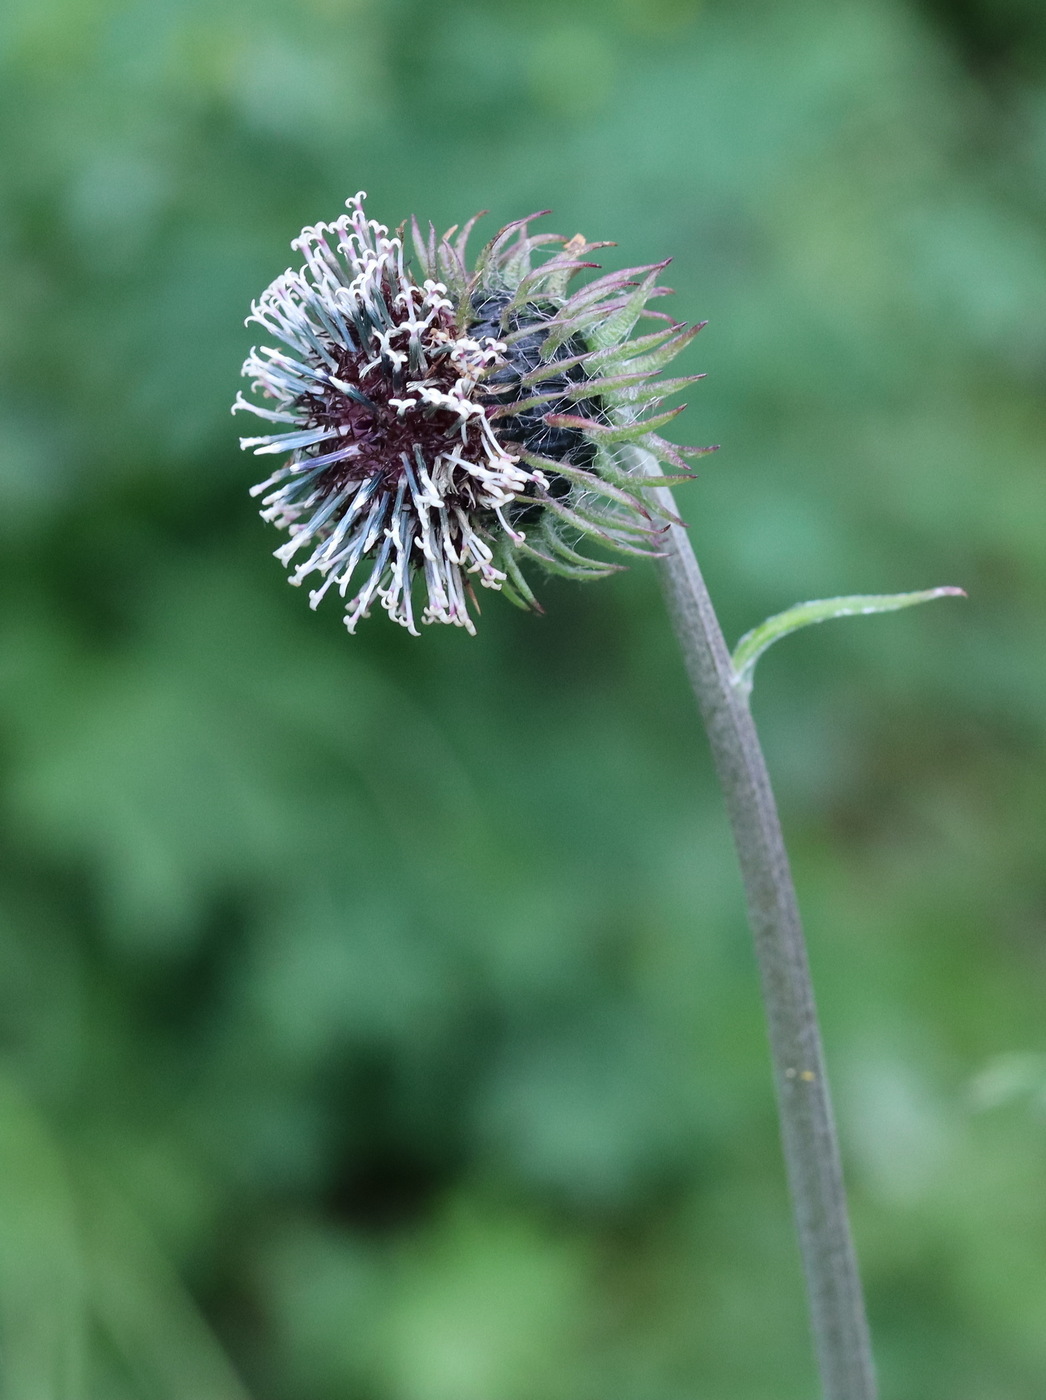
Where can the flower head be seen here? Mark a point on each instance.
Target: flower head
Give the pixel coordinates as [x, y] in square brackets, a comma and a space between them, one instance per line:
[444, 424]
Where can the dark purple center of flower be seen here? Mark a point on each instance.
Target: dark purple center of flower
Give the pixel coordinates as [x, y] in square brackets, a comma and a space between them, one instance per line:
[364, 415]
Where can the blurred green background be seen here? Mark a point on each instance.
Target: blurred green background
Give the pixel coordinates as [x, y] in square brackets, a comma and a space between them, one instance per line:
[379, 1020]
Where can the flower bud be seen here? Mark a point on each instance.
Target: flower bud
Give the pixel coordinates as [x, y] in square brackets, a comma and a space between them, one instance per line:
[446, 424]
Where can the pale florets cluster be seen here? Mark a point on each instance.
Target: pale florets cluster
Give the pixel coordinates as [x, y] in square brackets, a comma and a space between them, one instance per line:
[425, 416]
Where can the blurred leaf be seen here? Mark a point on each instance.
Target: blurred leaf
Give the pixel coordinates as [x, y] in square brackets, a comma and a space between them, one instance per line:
[1010, 1079]
[146, 1315]
[484, 1309]
[43, 1291]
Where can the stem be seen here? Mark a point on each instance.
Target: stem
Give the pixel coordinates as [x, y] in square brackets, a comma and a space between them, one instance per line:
[808, 1134]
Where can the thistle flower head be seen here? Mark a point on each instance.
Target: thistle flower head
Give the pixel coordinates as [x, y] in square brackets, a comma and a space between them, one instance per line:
[446, 423]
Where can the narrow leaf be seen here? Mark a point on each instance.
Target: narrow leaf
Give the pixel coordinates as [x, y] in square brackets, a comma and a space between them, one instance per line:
[752, 645]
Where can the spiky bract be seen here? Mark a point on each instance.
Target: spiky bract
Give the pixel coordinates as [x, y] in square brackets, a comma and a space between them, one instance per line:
[448, 423]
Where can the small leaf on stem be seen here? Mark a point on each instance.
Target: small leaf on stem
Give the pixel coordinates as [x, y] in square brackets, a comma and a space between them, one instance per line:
[752, 645]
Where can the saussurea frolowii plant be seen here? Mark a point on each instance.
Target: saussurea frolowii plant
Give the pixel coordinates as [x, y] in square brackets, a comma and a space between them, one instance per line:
[446, 423]
[451, 424]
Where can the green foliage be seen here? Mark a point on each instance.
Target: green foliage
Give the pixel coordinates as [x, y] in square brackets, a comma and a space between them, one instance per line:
[378, 1015]
[752, 645]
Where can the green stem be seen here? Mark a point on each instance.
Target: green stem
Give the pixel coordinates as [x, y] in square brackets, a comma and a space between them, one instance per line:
[808, 1134]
